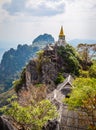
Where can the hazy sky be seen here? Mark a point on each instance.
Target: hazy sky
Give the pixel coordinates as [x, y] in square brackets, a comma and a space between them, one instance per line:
[23, 20]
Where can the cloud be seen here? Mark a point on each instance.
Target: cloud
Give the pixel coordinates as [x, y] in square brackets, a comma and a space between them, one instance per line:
[15, 6]
[35, 7]
[21, 20]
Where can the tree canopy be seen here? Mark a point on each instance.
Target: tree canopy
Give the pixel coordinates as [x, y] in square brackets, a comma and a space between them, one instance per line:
[33, 116]
[71, 59]
[84, 96]
[92, 70]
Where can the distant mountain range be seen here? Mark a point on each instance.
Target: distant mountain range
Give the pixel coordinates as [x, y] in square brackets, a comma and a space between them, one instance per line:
[2, 50]
[14, 60]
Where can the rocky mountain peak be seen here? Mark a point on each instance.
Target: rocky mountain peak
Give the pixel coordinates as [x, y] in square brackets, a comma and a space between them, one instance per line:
[45, 38]
[49, 69]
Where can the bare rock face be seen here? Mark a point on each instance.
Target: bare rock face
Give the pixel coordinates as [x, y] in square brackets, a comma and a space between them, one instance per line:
[49, 75]
[32, 75]
[5, 124]
[42, 72]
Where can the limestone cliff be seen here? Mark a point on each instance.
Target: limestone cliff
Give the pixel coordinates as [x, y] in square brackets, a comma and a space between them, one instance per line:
[45, 72]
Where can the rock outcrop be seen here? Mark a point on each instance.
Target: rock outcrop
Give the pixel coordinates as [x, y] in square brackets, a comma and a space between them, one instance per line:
[48, 65]
[48, 69]
[52, 125]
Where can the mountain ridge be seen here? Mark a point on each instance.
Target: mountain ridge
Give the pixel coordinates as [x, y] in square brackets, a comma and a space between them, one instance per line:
[14, 60]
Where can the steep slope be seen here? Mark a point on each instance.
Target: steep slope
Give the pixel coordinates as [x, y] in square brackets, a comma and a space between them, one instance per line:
[48, 69]
[14, 60]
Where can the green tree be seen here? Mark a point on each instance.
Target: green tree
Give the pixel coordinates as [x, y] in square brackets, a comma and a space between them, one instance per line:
[59, 79]
[39, 61]
[92, 70]
[32, 117]
[83, 73]
[71, 59]
[17, 84]
[84, 96]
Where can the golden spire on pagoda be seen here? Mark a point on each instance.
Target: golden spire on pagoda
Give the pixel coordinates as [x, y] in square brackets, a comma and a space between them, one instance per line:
[61, 34]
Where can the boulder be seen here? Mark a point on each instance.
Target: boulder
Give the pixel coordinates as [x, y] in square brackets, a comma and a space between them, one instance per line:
[51, 125]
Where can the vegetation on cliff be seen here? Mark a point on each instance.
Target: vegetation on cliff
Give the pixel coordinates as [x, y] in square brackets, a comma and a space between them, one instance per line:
[50, 67]
[71, 59]
[59, 79]
[92, 70]
[83, 96]
[18, 83]
[33, 116]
